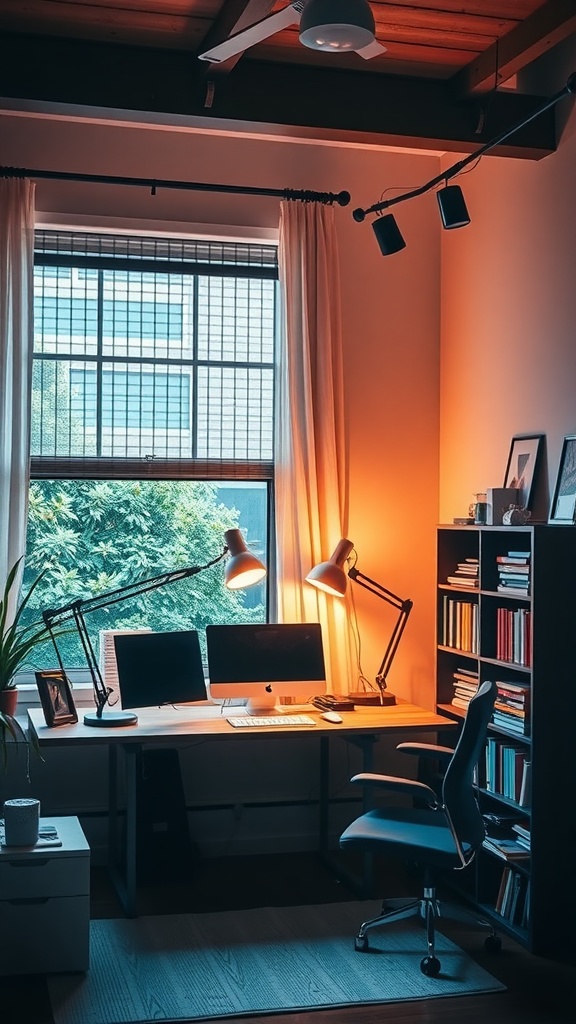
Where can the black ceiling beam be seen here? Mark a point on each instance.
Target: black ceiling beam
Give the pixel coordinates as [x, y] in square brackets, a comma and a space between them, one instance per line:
[537, 34]
[311, 102]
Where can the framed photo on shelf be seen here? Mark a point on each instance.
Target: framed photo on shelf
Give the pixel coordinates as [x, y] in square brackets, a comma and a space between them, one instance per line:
[563, 508]
[521, 467]
[56, 697]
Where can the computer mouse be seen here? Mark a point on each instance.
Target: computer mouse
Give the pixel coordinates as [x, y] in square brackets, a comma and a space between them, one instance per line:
[331, 716]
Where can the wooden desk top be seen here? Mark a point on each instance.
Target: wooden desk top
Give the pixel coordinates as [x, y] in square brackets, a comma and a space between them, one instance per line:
[157, 725]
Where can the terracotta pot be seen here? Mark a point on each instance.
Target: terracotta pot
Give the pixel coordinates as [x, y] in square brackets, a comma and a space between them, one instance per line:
[9, 701]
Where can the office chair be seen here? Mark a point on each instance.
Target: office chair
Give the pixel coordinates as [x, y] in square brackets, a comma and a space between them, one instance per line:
[442, 830]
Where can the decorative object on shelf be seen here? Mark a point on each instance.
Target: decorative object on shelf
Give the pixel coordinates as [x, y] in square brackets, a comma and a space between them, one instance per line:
[242, 570]
[480, 508]
[499, 500]
[21, 821]
[16, 644]
[515, 515]
[332, 578]
[563, 508]
[521, 467]
[56, 698]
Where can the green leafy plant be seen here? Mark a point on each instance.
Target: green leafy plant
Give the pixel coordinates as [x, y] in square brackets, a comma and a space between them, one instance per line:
[16, 643]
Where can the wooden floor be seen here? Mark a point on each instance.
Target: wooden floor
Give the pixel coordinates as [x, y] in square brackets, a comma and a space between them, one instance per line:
[539, 991]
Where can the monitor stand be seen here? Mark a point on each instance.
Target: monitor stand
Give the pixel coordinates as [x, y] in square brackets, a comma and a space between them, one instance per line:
[262, 705]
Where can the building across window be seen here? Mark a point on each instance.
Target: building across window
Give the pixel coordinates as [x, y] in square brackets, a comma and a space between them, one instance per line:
[152, 423]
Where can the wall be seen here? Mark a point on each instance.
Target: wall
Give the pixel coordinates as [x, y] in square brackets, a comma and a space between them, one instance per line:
[390, 314]
[508, 358]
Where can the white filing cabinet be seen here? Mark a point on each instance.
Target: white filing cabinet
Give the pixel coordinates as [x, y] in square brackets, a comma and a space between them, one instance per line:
[45, 904]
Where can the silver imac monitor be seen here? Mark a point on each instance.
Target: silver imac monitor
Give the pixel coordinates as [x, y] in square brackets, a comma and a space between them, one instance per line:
[159, 668]
[265, 661]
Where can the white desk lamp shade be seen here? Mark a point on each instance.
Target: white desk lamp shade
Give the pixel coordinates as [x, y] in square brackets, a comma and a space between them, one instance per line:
[243, 569]
[330, 576]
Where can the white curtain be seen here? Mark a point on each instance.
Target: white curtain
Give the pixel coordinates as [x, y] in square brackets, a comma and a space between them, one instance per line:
[16, 342]
[311, 447]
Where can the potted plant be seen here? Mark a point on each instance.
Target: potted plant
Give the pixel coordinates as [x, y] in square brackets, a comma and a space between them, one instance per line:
[16, 643]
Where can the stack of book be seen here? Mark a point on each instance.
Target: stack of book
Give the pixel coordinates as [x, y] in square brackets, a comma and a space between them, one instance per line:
[523, 835]
[513, 900]
[507, 770]
[512, 706]
[514, 572]
[514, 635]
[465, 685]
[465, 574]
[508, 848]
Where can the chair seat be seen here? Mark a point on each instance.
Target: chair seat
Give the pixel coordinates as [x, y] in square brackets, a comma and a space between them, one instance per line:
[422, 834]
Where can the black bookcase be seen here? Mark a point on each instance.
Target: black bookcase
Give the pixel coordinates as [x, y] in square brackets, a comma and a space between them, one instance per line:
[528, 641]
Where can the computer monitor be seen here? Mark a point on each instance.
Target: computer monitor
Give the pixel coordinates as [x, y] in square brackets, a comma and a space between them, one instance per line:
[265, 661]
[159, 668]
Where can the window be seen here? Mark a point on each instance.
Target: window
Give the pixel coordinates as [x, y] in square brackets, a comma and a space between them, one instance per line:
[152, 425]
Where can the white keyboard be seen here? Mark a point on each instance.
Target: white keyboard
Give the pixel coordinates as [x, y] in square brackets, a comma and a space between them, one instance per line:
[263, 721]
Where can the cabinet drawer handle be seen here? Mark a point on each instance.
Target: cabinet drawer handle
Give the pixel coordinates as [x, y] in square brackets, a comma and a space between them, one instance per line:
[26, 900]
[28, 863]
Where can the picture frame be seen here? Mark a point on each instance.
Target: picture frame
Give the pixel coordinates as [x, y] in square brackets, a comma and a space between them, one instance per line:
[521, 467]
[56, 697]
[563, 507]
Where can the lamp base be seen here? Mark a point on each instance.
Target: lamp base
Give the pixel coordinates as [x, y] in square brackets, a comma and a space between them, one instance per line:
[110, 719]
[367, 699]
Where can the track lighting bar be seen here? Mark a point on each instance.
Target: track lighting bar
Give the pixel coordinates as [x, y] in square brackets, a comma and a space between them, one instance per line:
[569, 89]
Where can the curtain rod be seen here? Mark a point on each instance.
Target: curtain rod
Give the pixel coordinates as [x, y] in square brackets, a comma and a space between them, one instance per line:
[304, 195]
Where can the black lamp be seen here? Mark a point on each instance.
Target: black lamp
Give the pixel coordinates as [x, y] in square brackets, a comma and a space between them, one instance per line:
[242, 570]
[332, 578]
[452, 207]
[388, 235]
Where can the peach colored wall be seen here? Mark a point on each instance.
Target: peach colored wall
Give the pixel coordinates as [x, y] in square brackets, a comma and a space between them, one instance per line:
[390, 314]
[508, 359]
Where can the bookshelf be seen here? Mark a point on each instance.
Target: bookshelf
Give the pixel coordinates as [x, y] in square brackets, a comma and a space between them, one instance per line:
[511, 616]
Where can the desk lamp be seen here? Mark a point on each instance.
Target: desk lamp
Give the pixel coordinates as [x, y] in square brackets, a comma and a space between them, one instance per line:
[242, 570]
[332, 578]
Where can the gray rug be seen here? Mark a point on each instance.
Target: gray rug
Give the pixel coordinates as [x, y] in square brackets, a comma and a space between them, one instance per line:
[201, 966]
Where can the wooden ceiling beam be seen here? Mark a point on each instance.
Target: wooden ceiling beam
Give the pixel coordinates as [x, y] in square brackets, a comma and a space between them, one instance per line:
[273, 99]
[536, 35]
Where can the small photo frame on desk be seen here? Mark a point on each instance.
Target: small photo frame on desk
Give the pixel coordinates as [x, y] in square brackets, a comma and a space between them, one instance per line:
[56, 698]
[563, 509]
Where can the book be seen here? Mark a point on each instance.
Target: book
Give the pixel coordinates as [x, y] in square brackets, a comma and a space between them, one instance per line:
[513, 560]
[509, 849]
[519, 554]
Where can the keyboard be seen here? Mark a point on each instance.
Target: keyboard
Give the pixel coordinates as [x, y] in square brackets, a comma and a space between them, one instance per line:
[263, 721]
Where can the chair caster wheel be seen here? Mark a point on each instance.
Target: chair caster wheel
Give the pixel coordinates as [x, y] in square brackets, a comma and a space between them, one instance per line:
[361, 944]
[493, 944]
[430, 966]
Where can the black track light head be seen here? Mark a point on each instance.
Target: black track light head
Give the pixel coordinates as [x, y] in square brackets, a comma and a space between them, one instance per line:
[388, 235]
[452, 207]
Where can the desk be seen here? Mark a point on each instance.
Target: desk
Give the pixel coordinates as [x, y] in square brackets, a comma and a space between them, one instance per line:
[361, 727]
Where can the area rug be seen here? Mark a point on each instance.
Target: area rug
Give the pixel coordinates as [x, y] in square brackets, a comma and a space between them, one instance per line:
[203, 966]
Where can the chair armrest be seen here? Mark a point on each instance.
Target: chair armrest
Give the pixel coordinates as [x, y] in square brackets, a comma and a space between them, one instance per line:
[418, 790]
[427, 750]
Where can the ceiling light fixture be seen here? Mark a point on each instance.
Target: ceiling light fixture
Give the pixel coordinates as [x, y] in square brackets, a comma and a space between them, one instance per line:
[337, 25]
[450, 199]
[388, 235]
[452, 207]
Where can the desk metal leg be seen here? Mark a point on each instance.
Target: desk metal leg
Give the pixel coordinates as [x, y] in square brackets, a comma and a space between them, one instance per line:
[362, 885]
[123, 856]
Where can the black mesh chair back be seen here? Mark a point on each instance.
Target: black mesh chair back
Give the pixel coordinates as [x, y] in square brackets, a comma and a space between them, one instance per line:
[458, 794]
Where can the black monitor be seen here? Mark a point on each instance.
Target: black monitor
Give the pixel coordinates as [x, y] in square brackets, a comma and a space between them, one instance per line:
[159, 668]
[264, 661]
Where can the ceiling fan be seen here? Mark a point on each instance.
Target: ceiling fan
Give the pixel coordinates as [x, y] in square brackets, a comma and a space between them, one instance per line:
[335, 26]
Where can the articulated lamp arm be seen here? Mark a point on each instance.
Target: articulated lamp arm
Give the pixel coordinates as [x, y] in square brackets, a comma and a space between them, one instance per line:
[404, 609]
[243, 570]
